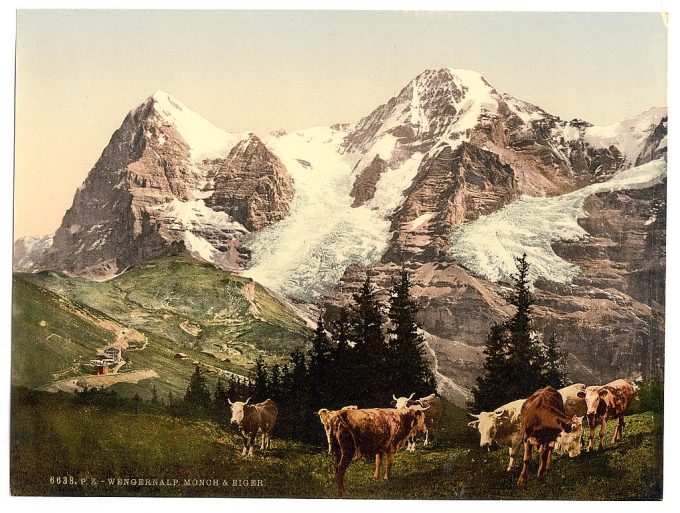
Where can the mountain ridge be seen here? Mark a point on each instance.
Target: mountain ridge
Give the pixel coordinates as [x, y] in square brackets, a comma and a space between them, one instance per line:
[308, 213]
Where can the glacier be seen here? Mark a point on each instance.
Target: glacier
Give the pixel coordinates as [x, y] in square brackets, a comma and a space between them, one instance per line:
[305, 255]
[488, 246]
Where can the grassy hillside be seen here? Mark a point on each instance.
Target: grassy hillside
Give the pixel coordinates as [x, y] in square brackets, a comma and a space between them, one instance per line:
[172, 304]
[52, 436]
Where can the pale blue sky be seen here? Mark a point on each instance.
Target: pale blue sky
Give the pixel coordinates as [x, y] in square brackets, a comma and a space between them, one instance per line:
[80, 72]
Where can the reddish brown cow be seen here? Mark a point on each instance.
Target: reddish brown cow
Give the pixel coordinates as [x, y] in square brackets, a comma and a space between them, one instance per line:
[375, 432]
[610, 401]
[542, 420]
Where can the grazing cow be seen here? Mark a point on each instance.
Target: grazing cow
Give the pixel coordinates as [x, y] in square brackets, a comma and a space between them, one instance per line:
[433, 414]
[325, 416]
[375, 432]
[603, 403]
[501, 426]
[252, 419]
[543, 419]
[570, 443]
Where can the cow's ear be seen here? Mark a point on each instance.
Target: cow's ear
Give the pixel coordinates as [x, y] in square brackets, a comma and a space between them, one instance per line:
[581, 394]
[474, 424]
[603, 392]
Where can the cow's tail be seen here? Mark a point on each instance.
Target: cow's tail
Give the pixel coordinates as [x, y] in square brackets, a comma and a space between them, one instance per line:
[342, 420]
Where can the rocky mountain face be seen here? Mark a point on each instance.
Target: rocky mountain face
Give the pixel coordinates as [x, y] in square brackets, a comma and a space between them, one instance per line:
[610, 317]
[450, 178]
[251, 185]
[168, 180]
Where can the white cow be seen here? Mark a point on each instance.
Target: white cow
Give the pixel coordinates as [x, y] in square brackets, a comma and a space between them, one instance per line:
[501, 426]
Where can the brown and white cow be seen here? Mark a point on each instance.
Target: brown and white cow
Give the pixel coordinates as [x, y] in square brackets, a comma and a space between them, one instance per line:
[252, 419]
[542, 420]
[374, 432]
[501, 426]
[433, 414]
[610, 401]
[325, 416]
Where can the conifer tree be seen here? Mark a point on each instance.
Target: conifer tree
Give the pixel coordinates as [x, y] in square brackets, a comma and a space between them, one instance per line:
[524, 354]
[320, 371]
[491, 390]
[369, 352]
[197, 397]
[275, 388]
[554, 364]
[221, 403]
[407, 365]
[260, 389]
[344, 366]
[154, 396]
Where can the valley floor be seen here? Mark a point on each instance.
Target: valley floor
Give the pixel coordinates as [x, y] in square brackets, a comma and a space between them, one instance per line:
[59, 447]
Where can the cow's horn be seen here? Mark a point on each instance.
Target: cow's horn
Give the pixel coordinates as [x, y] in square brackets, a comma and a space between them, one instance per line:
[229, 401]
[473, 415]
[247, 400]
[411, 396]
[393, 397]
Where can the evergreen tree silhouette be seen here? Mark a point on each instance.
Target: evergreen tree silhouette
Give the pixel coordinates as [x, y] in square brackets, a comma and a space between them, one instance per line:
[407, 365]
[491, 390]
[197, 398]
[554, 364]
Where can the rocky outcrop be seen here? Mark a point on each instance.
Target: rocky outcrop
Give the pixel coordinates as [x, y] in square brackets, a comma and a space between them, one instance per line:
[29, 252]
[251, 185]
[450, 188]
[365, 184]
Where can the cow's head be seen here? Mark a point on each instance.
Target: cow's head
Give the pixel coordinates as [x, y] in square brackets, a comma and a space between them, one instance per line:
[323, 414]
[418, 425]
[488, 423]
[402, 402]
[238, 411]
[570, 443]
[593, 396]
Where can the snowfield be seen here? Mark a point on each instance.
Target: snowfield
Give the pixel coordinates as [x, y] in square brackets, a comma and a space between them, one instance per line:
[530, 225]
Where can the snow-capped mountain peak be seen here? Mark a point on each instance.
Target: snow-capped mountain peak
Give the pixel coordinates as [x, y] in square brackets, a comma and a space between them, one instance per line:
[204, 139]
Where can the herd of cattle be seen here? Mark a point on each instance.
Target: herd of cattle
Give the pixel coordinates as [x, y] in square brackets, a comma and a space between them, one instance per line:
[547, 420]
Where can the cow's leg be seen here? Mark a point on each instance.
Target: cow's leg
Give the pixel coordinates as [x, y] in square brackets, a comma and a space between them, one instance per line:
[346, 455]
[376, 472]
[251, 443]
[591, 434]
[245, 444]
[412, 444]
[603, 428]
[388, 465]
[548, 460]
[618, 432]
[544, 460]
[513, 450]
[525, 461]
[427, 438]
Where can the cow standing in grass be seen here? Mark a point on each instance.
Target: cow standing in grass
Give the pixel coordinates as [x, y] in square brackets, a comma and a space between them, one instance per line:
[610, 401]
[252, 419]
[433, 414]
[501, 426]
[543, 420]
[375, 432]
